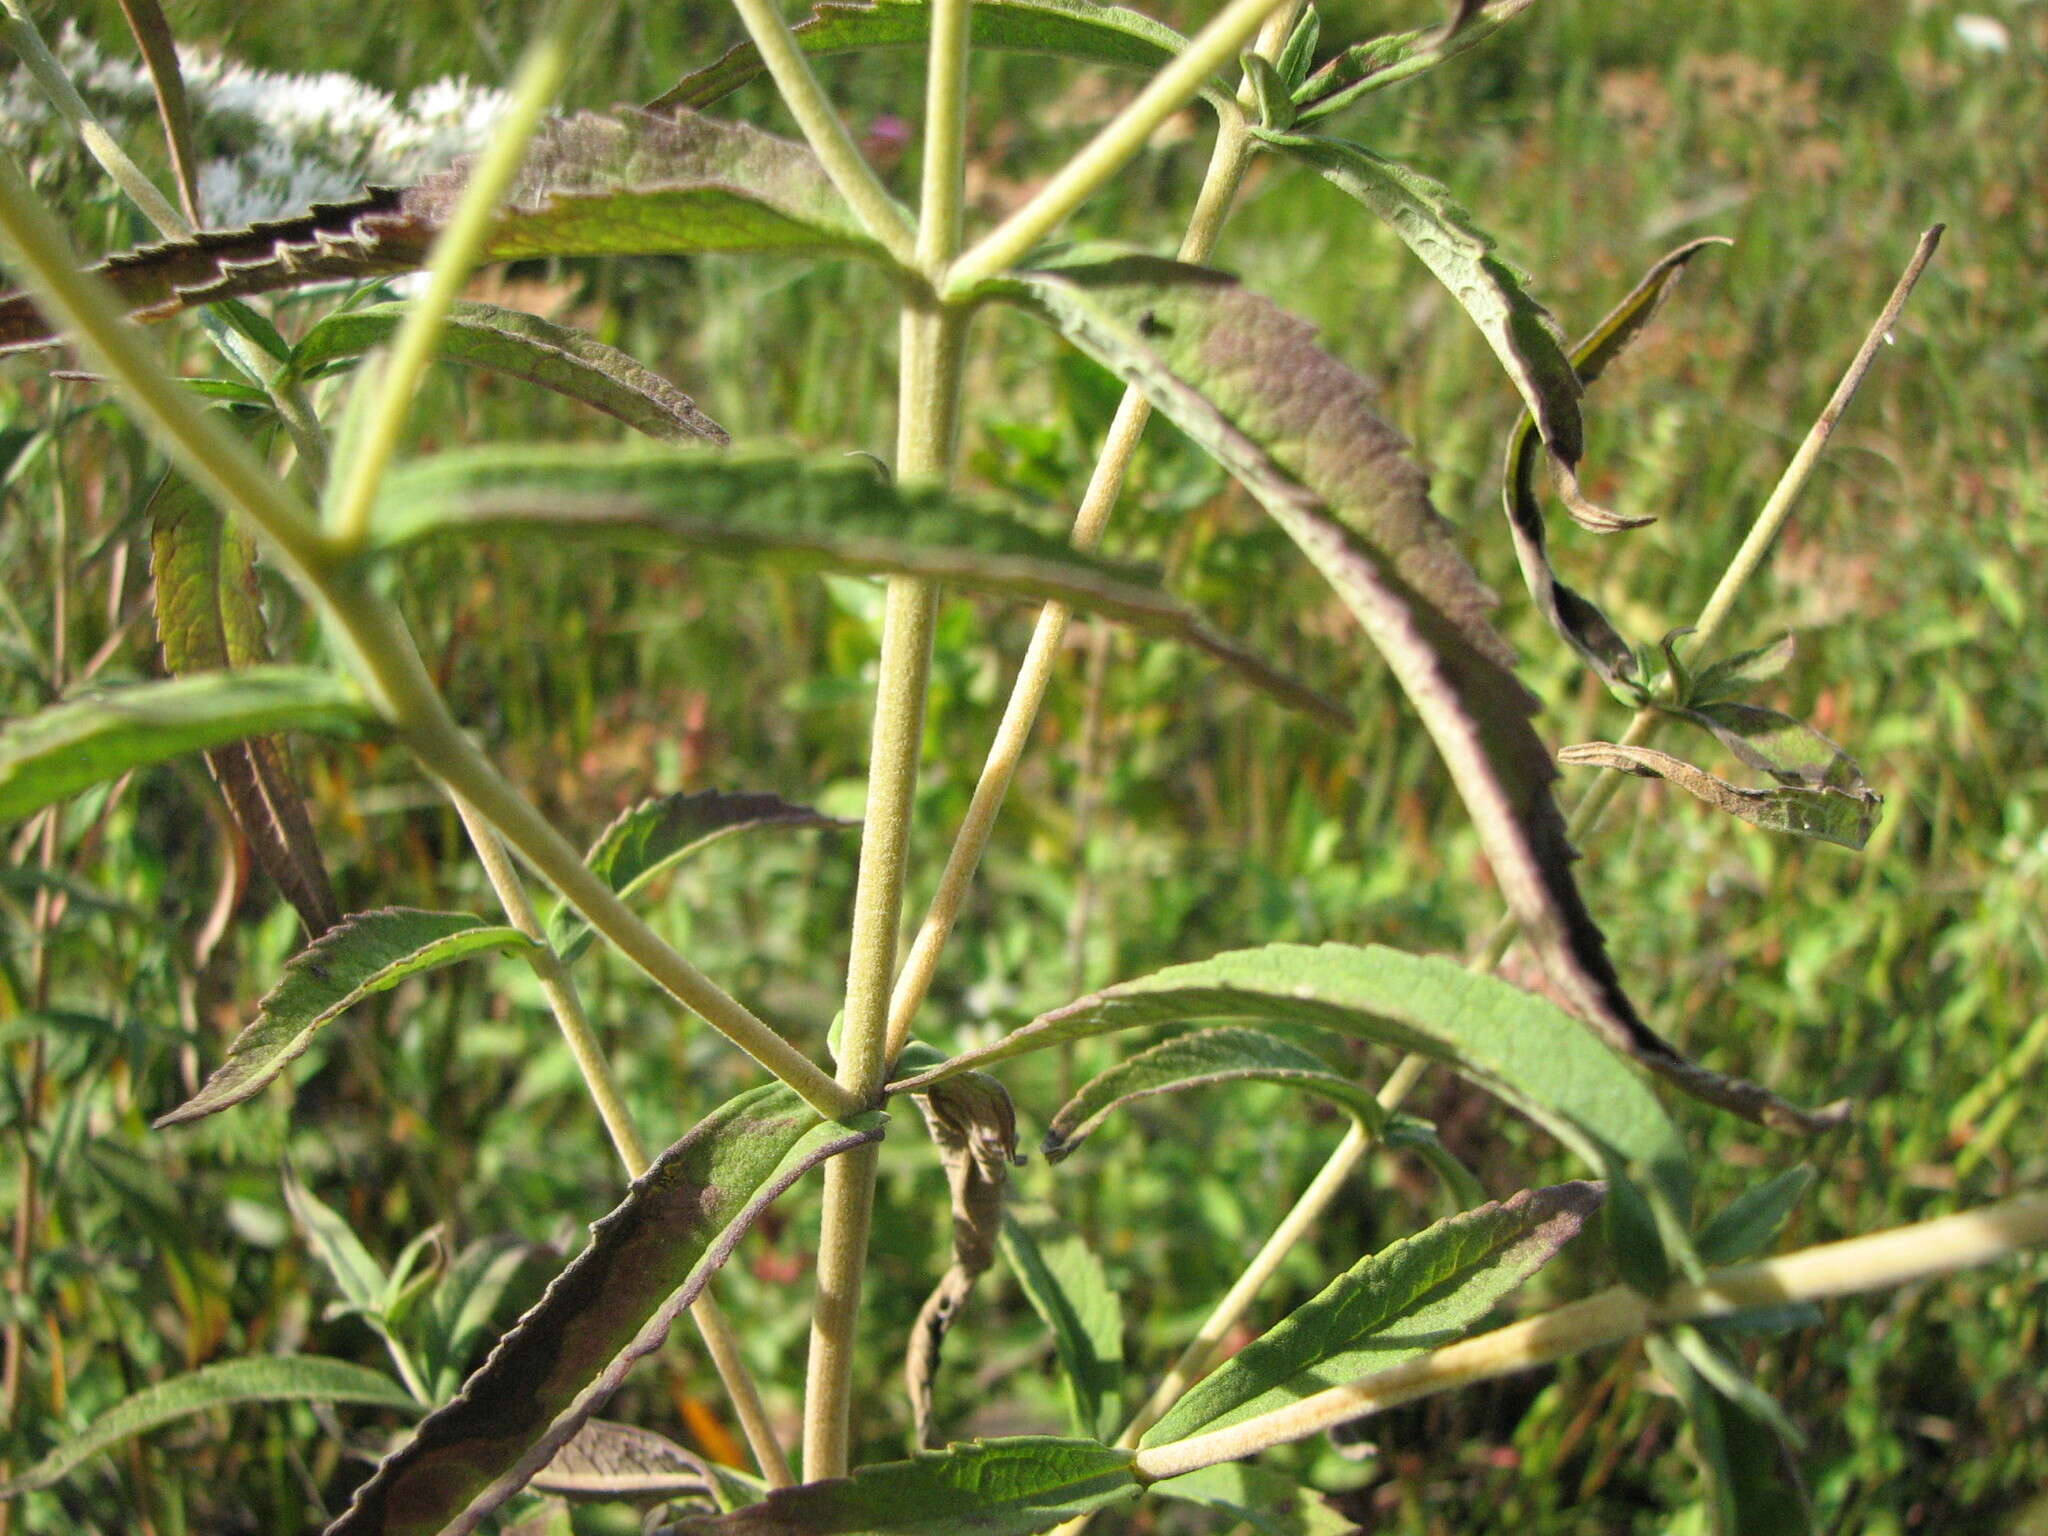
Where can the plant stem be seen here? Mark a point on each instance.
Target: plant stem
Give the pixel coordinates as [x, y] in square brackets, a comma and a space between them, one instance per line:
[560, 991]
[449, 264]
[1113, 148]
[160, 54]
[1874, 1262]
[927, 431]
[879, 213]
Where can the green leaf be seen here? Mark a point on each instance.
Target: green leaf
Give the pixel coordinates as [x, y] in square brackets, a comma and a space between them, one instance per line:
[1789, 750]
[650, 838]
[1385, 61]
[364, 954]
[359, 1276]
[1842, 816]
[209, 617]
[1298, 54]
[1008, 1487]
[630, 184]
[1064, 1282]
[831, 515]
[1272, 1503]
[1074, 29]
[1745, 1227]
[265, 1379]
[1753, 1488]
[508, 341]
[646, 1262]
[603, 1460]
[1735, 675]
[101, 734]
[1199, 1059]
[1297, 428]
[1404, 1301]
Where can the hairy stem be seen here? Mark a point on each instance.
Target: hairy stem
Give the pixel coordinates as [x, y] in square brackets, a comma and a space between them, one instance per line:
[567, 1006]
[1874, 1262]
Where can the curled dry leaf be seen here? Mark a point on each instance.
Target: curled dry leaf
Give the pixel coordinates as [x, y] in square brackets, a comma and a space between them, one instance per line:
[605, 1460]
[1844, 816]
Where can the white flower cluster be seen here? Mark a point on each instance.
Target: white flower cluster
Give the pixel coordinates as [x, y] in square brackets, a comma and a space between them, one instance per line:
[274, 143]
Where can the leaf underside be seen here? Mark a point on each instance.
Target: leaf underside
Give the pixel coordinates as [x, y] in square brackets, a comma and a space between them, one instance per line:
[362, 955]
[604, 1460]
[626, 184]
[1841, 816]
[831, 514]
[1299, 430]
[646, 1262]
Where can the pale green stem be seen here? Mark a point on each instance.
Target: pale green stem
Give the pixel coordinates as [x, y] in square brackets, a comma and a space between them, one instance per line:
[449, 264]
[879, 213]
[366, 629]
[1875, 1262]
[566, 1005]
[1111, 149]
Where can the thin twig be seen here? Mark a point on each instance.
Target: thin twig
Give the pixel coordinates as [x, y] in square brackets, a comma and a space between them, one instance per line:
[160, 56]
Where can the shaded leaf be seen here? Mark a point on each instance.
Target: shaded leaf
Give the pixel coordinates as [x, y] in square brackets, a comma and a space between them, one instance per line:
[101, 734]
[209, 617]
[1297, 428]
[828, 514]
[1846, 817]
[1789, 750]
[1064, 1282]
[1399, 1304]
[264, 1379]
[646, 1262]
[1010, 1487]
[1200, 1059]
[368, 953]
[1584, 627]
[359, 1276]
[1074, 29]
[974, 1126]
[1270, 1502]
[1520, 1047]
[603, 1460]
[1385, 61]
[1407, 1133]
[654, 836]
[628, 184]
[1737, 674]
[1746, 1225]
[1752, 1487]
[557, 357]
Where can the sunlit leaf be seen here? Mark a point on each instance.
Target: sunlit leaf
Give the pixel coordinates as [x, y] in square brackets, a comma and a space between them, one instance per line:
[1270, 1502]
[1409, 1298]
[1846, 817]
[650, 838]
[209, 617]
[1247, 382]
[1199, 1059]
[508, 341]
[262, 1379]
[628, 184]
[368, 953]
[359, 1276]
[646, 1262]
[990, 1487]
[1745, 1227]
[1385, 61]
[603, 1460]
[101, 734]
[812, 514]
[1074, 29]
[1064, 1282]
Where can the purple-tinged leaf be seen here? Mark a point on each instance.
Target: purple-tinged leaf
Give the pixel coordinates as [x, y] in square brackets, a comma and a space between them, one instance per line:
[646, 1263]
[604, 1460]
[1399, 1304]
[1843, 816]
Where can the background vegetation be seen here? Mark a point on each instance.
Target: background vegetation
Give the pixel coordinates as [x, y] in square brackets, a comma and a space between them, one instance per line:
[1176, 813]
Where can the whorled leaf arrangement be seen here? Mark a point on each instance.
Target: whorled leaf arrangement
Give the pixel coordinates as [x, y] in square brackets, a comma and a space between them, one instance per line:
[1298, 429]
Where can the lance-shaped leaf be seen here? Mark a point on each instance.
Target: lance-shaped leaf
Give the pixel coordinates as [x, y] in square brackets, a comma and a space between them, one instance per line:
[650, 838]
[1584, 627]
[509, 341]
[974, 1126]
[1517, 1045]
[603, 1460]
[209, 617]
[1842, 816]
[629, 184]
[1745, 1226]
[261, 1379]
[102, 734]
[1010, 1487]
[1297, 428]
[1064, 1282]
[647, 1261]
[1789, 750]
[1073, 29]
[1384, 61]
[1203, 1058]
[365, 954]
[1270, 1502]
[1409, 1298]
[1733, 676]
[832, 515]
[1753, 1487]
